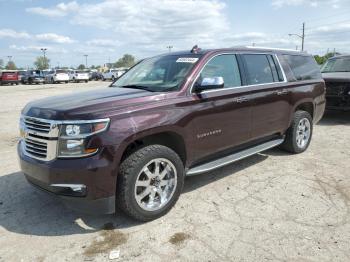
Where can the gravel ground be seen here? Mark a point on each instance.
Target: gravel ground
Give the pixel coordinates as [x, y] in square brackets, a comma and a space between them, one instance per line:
[271, 206]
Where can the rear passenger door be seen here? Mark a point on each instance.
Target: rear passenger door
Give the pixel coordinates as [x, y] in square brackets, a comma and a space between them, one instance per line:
[270, 95]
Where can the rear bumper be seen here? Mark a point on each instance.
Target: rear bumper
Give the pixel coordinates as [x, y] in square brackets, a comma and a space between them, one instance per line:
[40, 80]
[86, 185]
[9, 81]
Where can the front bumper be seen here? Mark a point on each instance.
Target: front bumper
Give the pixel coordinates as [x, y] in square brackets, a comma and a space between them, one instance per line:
[85, 184]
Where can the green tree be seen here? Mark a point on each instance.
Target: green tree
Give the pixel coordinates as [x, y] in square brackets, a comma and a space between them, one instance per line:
[126, 61]
[322, 59]
[1, 63]
[42, 63]
[81, 67]
[11, 66]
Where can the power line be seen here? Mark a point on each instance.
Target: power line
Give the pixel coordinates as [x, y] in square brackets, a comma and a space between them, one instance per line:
[338, 22]
[328, 16]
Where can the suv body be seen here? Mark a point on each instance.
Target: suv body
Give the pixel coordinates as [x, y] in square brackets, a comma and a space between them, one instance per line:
[112, 74]
[191, 112]
[9, 77]
[33, 77]
[336, 73]
[57, 76]
[78, 76]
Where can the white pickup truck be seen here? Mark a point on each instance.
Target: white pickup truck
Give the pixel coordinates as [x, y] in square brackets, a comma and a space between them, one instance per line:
[113, 73]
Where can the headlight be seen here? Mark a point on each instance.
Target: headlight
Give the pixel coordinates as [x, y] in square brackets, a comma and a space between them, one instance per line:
[72, 139]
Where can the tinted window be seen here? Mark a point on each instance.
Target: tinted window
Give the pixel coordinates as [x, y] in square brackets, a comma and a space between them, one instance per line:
[303, 67]
[258, 69]
[337, 65]
[223, 66]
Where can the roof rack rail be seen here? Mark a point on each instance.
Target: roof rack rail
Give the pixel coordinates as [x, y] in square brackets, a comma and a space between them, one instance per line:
[272, 48]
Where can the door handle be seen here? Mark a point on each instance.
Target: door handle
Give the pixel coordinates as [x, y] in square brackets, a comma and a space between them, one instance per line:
[241, 99]
[282, 92]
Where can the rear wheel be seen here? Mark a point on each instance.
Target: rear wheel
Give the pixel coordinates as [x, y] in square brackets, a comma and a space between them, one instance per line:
[150, 182]
[299, 134]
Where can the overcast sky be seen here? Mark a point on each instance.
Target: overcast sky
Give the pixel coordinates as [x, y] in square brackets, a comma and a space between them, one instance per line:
[106, 29]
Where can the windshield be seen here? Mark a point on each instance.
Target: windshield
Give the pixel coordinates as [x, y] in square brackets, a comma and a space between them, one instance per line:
[158, 74]
[337, 65]
[61, 71]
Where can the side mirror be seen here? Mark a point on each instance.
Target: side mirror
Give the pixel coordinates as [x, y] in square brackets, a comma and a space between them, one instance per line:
[209, 83]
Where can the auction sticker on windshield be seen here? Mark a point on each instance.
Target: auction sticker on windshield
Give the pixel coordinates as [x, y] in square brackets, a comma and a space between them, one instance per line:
[191, 60]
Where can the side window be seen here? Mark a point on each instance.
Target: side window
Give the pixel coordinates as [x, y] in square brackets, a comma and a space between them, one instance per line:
[303, 67]
[225, 66]
[258, 69]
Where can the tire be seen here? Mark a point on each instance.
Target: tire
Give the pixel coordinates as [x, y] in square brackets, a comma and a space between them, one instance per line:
[290, 143]
[131, 171]
[86, 81]
[30, 81]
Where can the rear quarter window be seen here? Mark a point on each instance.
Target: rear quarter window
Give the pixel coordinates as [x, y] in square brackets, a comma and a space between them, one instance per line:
[303, 67]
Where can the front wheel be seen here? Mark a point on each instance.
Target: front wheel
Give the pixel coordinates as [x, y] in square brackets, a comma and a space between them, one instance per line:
[150, 182]
[299, 134]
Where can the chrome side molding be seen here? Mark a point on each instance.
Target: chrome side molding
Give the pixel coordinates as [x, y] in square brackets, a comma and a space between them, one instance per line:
[233, 158]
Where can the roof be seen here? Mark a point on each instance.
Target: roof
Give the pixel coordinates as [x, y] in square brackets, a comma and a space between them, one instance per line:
[340, 56]
[241, 49]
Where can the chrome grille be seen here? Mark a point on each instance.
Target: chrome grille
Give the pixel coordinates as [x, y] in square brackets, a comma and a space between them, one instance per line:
[35, 147]
[337, 88]
[37, 125]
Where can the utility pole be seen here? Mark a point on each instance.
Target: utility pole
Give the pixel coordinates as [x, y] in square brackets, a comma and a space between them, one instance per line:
[302, 37]
[86, 60]
[169, 47]
[44, 51]
[9, 57]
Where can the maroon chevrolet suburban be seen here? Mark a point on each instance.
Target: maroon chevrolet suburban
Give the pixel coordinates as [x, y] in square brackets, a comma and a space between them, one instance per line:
[175, 115]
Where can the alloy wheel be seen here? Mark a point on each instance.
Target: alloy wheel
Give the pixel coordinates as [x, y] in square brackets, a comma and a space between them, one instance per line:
[155, 184]
[303, 132]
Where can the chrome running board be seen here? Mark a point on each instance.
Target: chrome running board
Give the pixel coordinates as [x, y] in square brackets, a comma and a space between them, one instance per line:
[233, 158]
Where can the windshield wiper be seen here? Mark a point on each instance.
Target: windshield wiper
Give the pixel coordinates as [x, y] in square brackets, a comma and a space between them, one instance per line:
[138, 87]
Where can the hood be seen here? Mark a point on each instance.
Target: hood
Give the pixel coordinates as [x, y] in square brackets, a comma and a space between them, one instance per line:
[85, 105]
[336, 77]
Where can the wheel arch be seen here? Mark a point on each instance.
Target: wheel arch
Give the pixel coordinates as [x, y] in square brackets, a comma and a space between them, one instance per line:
[168, 138]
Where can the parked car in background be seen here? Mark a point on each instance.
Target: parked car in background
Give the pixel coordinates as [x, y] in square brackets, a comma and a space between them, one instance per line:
[33, 77]
[113, 74]
[57, 76]
[21, 73]
[78, 76]
[336, 73]
[9, 77]
[182, 114]
[95, 75]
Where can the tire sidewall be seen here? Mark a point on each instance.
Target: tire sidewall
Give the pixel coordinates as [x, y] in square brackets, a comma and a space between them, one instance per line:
[134, 171]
